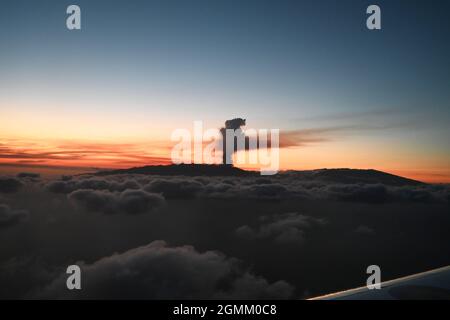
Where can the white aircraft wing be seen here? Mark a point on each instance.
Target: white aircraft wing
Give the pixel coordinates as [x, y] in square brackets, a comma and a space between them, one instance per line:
[429, 285]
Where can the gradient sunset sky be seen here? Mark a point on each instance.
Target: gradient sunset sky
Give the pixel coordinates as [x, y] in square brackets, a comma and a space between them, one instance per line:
[111, 94]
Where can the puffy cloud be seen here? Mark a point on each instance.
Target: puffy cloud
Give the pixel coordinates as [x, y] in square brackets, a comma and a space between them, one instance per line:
[249, 188]
[282, 186]
[139, 201]
[266, 236]
[9, 217]
[28, 175]
[267, 191]
[379, 193]
[95, 200]
[156, 271]
[20, 275]
[421, 193]
[283, 228]
[10, 185]
[68, 185]
[58, 187]
[219, 190]
[175, 188]
[263, 181]
[128, 201]
[372, 193]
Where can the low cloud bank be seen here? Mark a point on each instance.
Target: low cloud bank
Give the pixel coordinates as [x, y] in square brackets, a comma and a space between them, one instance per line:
[30, 175]
[157, 271]
[68, 185]
[128, 201]
[276, 188]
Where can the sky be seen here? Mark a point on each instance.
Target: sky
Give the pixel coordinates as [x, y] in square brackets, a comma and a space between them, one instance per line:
[110, 95]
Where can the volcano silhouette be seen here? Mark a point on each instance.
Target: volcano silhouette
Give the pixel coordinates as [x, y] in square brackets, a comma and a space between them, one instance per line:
[343, 175]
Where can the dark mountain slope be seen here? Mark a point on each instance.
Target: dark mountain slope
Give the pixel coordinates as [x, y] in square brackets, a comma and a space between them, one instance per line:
[184, 170]
[347, 176]
[344, 176]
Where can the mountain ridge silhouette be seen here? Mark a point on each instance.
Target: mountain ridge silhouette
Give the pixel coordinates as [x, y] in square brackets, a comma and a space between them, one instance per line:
[338, 175]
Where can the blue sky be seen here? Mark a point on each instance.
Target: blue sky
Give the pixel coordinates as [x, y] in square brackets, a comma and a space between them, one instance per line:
[284, 64]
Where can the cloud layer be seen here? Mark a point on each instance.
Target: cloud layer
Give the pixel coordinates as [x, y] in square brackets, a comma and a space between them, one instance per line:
[128, 201]
[286, 227]
[282, 186]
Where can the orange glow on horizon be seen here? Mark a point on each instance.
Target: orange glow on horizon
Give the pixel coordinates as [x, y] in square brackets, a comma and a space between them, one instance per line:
[102, 154]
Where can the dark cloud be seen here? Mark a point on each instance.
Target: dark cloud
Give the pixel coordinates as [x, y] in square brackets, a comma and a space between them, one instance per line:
[175, 188]
[21, 275]
[139, 201]
[9, 217]
[95, 200]
[10, 185]
[283, 186]
[266, 191]
[262, 181]
[67, 185]
[379, 193]
[283, 228]
[336, 222]
[156, 271]
[245, 190]
[219, 190]
[128, 201]
[58, 187]
[28, 175]
[420, 194]
[365, 230]
[372, 193]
